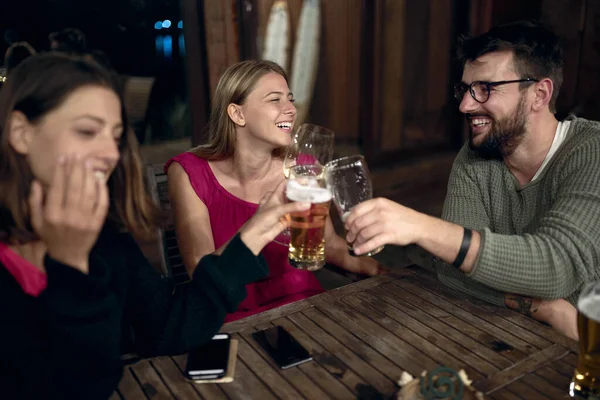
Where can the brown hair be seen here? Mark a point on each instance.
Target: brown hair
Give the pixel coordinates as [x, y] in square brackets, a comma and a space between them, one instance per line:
[537, 52]
[236, 83]
[37, 86]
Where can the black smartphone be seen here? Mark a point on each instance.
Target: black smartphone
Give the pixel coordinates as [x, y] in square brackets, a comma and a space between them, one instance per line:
[209, 361]
[282, 347]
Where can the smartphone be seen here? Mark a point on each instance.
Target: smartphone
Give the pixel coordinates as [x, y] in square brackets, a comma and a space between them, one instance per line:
[209, 361]
[282, 347]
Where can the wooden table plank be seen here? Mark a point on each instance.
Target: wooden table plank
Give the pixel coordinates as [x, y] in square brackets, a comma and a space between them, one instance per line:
[542, 386]
[438, 326]
[486, 338]
[129, 388]
[249, 322]
[466, 315]
[421, 332]
[361, 367]
[504, 394]
[353, 343]
[404, 354]
[174, 379]
[206, 390]
[436, 353]
[115, 396]
[318, 375]
[539, 329]
[563, 368]
[487, 314]
[526, 392]
[528, 365]
[364, 335]
[323, 357]
[553, 377]
[365, 284]
[269, 375]
[150, 381]
[246, 385]
[571, 359]
[295, 376]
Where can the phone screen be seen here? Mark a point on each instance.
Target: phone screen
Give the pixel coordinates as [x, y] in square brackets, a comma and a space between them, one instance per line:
[209, 361]
[282, 346]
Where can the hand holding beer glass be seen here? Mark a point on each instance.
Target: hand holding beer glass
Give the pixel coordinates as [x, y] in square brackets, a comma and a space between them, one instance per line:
[308, 183]
[350, 182]
[586, 379]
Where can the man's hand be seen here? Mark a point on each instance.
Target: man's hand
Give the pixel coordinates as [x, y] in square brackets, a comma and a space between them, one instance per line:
[380, 221]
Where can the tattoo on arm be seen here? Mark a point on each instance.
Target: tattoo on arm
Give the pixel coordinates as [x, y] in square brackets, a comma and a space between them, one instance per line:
[524, 305]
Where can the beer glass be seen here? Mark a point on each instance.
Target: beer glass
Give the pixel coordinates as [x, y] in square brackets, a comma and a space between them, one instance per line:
[311, 144]
[586, 379]
[308, 183]
[350, 182]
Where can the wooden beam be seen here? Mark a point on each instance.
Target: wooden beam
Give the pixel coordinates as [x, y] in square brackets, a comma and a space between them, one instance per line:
[221, 38]
[196, 67]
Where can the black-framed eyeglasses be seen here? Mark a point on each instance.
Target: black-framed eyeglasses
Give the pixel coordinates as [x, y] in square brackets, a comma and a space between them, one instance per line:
[480, 90]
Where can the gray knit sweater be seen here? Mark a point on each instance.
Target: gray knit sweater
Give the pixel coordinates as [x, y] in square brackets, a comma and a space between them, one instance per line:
[540, 240]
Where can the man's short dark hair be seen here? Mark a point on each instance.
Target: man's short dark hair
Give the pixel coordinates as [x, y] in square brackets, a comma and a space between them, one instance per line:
[536, 50]
[16, 53]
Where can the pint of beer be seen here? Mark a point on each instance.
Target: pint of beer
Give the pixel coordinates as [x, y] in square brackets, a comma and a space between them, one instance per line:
[307, 183]
[586, 380]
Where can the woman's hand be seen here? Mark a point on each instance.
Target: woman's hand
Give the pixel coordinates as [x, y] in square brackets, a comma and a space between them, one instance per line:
[70, 219]
[270, 219]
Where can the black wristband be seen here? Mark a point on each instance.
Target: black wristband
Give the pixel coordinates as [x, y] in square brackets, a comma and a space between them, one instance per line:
[464, 248]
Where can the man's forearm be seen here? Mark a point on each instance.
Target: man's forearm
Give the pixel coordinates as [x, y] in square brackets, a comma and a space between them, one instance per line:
[443, 239]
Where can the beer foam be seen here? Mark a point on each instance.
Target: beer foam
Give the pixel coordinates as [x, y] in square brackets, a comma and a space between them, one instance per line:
[589, 304]
[308, 191]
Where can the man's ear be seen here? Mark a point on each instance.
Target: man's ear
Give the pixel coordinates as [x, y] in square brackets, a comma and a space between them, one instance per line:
[236, 114]
[20, 132]
[543, 94]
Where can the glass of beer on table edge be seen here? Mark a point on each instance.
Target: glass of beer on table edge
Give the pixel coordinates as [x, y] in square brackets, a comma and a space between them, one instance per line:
[586, 379]
[308, 183]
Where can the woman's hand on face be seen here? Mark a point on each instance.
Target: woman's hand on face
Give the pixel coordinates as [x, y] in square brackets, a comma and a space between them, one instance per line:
[270, 219]
[380, 221]
[70, 219]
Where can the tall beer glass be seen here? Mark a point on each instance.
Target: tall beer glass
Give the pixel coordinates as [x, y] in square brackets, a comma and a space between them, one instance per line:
[350, 182]
[308, 183]
[586, 380]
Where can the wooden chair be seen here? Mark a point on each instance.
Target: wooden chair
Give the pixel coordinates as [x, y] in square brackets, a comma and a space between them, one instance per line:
[171, 264]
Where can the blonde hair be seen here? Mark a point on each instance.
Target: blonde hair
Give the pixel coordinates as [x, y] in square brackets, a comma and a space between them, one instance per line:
[236, 83]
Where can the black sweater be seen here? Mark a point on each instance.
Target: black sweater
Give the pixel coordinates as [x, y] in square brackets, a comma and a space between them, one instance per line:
[67, 342]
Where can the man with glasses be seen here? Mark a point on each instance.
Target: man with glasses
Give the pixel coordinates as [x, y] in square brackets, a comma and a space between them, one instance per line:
[521, 219]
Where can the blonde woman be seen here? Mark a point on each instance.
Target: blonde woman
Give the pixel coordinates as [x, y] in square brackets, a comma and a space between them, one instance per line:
[215, 188]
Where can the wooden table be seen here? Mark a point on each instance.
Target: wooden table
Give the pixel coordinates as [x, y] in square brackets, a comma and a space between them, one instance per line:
[362, 336]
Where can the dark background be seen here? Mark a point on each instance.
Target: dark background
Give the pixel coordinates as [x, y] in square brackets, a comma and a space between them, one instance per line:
[123, 29]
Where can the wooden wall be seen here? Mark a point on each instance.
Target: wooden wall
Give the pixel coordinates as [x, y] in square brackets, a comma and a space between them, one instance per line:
[335, 101]
[384, 71]
[577, 23]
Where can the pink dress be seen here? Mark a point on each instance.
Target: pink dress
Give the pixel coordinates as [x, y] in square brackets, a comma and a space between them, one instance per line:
[228, 213]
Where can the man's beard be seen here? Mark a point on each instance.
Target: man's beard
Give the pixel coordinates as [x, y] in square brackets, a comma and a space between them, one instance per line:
[504, 135]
